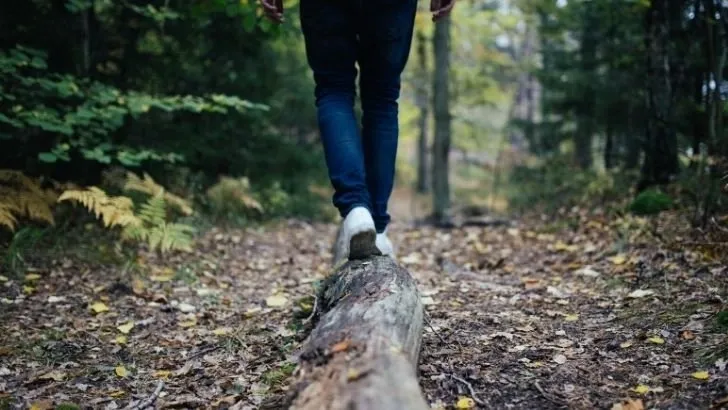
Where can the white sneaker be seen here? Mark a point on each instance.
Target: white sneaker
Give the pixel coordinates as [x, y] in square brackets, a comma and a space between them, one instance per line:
[385, 245]
[356, 238]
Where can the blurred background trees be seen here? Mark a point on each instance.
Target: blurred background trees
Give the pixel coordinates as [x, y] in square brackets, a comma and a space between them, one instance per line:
[507, 106]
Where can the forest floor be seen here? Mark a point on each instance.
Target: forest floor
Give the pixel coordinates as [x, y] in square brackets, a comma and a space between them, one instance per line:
[579, 312]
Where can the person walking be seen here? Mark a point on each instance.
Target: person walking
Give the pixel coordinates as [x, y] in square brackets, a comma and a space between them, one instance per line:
[376, 35]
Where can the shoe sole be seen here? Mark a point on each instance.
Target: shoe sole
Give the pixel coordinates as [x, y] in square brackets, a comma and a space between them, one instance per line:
[363, 245]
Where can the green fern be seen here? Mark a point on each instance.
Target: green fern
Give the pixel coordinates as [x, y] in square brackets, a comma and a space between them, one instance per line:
[149, 225]
[155, 231]
[154, 211]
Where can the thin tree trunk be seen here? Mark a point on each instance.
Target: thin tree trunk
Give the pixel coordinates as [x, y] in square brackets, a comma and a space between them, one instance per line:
[661, 162]
[609, 146]
[585, 111]
[441, 104]
[424, 106]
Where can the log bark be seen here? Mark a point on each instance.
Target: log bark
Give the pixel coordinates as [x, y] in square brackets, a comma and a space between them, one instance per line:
[363, 352]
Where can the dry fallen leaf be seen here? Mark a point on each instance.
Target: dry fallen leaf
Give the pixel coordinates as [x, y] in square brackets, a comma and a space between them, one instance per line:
[640, 293]
[121, 371]
[220, 331]
[641, 389]
[465, 403]
[277, 300]
[126, 327]
[687, 335]
[571, 318]
[42, 405]
[162, 374]
[121, 339]
[656, 340]
[56, 375]
[629, 404]
[99, 307]
[341, 346]
[32, 277]
[701, 375]
[619, 259]
[626, 344]
[188, 323]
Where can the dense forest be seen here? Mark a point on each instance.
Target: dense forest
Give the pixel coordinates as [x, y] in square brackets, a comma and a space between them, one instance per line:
[560, 210]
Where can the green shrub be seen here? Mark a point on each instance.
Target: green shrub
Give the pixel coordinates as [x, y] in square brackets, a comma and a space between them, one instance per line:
[650, 202]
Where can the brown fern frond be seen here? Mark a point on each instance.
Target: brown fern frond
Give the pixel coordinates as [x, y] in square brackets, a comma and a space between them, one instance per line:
[7, 219]
[113, 211]
[23, 197]
[39, 210]
[20, 181]
[147, 185]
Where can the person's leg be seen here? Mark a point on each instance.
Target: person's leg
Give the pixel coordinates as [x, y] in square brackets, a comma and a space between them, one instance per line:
[331, 49]
[383, 51]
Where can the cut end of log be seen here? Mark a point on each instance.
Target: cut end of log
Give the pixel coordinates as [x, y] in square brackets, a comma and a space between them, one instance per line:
[363, 352]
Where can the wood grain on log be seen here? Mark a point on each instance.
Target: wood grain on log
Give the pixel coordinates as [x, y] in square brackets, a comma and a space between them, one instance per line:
[363, 352]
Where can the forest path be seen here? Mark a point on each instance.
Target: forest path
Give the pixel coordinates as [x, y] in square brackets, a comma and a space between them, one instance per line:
[574, 313]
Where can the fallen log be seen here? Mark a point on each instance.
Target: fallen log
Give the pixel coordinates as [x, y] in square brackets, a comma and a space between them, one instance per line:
[363, 352]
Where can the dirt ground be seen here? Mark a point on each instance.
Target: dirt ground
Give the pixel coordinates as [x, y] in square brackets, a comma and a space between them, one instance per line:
[578, 312]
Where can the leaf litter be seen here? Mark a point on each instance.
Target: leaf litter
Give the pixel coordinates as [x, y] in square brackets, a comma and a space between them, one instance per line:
[522, 316]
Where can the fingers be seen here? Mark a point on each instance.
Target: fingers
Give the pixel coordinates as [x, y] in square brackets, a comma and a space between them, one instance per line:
[444, 10]
[271, 11]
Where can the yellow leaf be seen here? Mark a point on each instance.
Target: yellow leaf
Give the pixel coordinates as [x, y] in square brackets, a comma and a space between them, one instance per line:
[56, 375]
[221, 331]
[251, 312]
[465, 403]
[28, 289]
[626, 344]
[3, 278]
[619, 259]
[32, 277]
[656, 340]
[276, 300]
[42, 405]
[116, 393]
[188, 323]
[99, 307]
[121, 339]
[161, 278]
[629, 404]
[641, 389]
[126, 327]
[571, 318]
[561, 246]
[121, 371]
[702, 375]
[162, 374]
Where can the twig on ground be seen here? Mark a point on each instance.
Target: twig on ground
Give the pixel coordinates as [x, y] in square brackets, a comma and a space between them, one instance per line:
[203, 352]
[313, 310]
[427, 319]
[548, 396]
[148, 401]
[470, 389]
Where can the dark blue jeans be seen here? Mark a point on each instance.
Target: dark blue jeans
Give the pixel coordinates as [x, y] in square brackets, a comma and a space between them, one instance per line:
[376, 34]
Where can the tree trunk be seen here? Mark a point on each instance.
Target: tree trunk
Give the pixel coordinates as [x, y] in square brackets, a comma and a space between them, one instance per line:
[441, 106]
[585, 110]
[424, 106]
[661, 161]
[363, 352]
[609, 145]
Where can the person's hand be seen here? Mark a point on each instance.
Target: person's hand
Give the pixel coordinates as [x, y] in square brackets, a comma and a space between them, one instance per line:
[273, 9]
[439, 8]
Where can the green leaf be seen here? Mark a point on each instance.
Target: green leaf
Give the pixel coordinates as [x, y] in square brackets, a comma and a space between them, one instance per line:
[48, 157]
